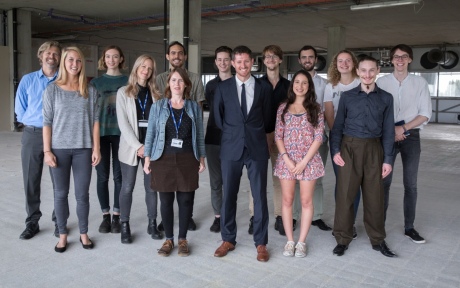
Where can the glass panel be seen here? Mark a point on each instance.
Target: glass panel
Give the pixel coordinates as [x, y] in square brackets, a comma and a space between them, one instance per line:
[432, 79]
[449, 84]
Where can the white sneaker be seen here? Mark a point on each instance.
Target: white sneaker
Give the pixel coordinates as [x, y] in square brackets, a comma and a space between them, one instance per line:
[289, 249]
[300, 249]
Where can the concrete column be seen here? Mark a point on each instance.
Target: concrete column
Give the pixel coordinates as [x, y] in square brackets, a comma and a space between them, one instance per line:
[335, 41]
[176, 30]
[194, 53]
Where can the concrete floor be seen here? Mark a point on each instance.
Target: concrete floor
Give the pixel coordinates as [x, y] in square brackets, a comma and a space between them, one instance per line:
[33, 263]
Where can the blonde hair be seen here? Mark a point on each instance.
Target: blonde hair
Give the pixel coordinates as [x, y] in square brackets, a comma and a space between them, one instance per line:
[131, 89]
[333, 74]
[63, 76]
[45, 46]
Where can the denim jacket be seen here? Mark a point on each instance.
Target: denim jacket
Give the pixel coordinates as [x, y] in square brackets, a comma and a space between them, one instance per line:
[155, 138]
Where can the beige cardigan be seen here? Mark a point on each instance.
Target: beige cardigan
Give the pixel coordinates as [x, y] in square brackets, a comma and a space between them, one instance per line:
[127, 122]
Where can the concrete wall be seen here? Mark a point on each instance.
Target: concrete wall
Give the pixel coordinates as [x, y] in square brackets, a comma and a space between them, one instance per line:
[6, 107]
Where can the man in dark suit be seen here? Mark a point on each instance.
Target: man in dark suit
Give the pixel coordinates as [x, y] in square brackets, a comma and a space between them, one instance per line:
[242, 106]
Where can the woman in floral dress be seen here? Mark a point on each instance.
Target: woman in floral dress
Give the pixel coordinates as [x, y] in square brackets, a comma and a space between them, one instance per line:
[298, 135]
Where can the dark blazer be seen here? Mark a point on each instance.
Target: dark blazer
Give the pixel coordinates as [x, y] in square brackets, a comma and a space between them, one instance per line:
[238, 132]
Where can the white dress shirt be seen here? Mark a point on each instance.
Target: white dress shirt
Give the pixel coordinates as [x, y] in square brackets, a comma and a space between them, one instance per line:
[249, 89]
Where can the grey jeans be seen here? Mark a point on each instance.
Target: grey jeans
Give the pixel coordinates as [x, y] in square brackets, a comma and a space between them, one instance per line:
[215, 176]
[129, 175]
[79, 161]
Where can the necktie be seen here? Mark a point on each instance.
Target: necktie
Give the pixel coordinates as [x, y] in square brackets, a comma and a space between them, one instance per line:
[243, 102]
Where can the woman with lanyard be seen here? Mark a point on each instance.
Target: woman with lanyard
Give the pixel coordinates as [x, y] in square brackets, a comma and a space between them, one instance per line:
[107, 85]
[134, 102]
[174, 153]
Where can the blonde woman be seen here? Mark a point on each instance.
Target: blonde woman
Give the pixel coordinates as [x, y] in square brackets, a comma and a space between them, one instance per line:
[133, 107]
[71, 141]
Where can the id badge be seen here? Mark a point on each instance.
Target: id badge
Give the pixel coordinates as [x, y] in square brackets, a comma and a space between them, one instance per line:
[176, 143]
[143, 123]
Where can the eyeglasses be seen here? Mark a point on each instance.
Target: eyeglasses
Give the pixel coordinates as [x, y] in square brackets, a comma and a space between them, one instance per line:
[273, 57]
[402, 57]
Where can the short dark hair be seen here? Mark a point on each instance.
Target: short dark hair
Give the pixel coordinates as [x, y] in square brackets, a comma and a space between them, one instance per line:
[177, 43]
[241, 50]
[275, 49]
[308, 47]
[404, 48]
[367, 58]
[225, 49]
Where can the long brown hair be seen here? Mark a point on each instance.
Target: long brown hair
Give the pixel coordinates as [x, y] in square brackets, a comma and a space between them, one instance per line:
[131, 89]
[63, 76]
[333, 74]
[188, 84]
[101, 62]
[309, 103]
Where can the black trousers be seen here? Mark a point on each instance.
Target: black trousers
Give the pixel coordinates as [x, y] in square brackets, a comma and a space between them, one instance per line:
[185, 203]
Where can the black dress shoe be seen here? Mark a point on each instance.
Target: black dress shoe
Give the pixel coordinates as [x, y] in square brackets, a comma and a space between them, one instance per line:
[56, 231]
[160, 227]
[153, 231]
[251, 226]
[32, 228]
[60, 249]
[383, 248]
[191, 225]
[321, 225]
[279, 225]
[339, 250]
[125, 233]
[87, 246]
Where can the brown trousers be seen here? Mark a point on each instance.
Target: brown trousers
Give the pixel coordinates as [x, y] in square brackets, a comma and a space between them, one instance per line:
[363, 167]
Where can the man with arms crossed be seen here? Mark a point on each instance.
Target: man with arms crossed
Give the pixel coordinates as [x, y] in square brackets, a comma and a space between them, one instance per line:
[223, 56]
[307, 59]
[362, 145]
[412, 111]
[242, 107]
[28, 108]
[177, 56]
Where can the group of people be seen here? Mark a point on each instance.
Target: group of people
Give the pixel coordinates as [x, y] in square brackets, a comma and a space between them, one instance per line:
[72, 125]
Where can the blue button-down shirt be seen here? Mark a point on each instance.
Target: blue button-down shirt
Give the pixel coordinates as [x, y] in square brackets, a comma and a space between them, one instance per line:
[363, 115]
[28, 102]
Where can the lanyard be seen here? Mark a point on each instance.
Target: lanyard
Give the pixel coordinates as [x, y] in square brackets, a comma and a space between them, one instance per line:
[143, 106]
[177, 126]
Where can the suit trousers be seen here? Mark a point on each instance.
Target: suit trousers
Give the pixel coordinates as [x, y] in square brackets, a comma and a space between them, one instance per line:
[363, 167]
[231, 175]
[32, 167]
[215, 176]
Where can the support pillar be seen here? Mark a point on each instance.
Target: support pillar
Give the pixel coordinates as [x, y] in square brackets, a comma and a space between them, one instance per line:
[335, 41]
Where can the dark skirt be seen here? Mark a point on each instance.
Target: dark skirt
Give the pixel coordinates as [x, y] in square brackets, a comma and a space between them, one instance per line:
[175, 172]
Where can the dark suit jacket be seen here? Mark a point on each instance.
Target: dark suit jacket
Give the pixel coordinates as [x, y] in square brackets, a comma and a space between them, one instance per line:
[238, 132]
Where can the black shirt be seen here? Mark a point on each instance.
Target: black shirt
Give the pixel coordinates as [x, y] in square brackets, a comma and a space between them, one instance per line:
[279, 94]
[141, 101]
[213, 133]
[185, 132]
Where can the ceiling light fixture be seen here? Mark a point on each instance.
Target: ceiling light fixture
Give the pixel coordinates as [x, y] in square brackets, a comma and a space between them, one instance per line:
[384, 4]
[157, 28]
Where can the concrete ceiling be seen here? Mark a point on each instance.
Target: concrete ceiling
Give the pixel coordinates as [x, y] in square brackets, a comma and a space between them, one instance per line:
[290, 24]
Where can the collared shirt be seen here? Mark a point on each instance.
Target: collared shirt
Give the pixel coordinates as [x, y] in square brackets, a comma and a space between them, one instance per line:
[363, 115]
[249, 89]
[197, 92]
[320, 86]
[29, 98]
[213, 133]
[411, 97]
[279, 93]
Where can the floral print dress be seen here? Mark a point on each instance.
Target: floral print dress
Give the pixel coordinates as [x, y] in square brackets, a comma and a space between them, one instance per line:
[298, 135]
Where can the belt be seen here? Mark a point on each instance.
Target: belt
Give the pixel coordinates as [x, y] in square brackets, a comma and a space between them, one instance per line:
[34, 128]
[355, 139]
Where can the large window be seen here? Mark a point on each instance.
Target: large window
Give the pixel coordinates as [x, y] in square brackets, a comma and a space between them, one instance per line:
[449, 84]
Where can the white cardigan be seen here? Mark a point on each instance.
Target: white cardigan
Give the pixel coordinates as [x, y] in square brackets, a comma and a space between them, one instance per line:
[127, 122]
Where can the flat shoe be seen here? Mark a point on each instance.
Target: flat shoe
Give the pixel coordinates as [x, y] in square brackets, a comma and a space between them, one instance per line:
[60, 249]
[87, 246]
